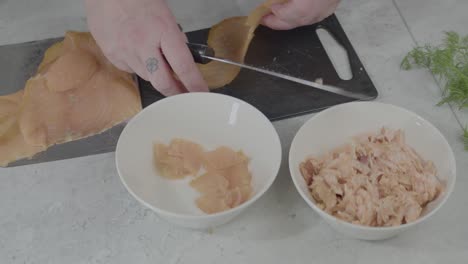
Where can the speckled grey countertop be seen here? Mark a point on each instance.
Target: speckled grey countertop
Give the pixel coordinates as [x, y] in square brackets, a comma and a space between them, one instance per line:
[77, 211]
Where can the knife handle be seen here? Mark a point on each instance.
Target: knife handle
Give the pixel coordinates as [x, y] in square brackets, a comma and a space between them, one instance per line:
[198, 50]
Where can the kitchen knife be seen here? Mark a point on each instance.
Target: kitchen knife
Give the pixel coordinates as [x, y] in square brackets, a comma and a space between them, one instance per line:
[204, 54]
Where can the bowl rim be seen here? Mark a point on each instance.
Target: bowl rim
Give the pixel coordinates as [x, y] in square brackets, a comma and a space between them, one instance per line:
[239, 208]
[329, 217]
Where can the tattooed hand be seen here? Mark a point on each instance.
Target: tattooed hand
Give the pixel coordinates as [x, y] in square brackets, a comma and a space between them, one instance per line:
[296, 13]
[134, 35]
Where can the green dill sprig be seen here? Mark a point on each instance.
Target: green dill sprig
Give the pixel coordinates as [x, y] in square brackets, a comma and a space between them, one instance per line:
[465, 137]
[449, 64]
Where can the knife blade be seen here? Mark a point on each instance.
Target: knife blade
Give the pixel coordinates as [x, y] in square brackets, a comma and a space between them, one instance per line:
[204, 54]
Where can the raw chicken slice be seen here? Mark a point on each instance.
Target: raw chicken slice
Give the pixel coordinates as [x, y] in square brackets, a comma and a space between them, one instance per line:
[211, 204]
[72, 70]
[13, 147]
[160, 155]
[9, 108]
[214, 198]
[238, 175]
[173, 168]
[223, 158]
[75, 93]
[191, 153]
[234, 197]
[50, 55]
[226, 182]
[103, 102]
[211, 183]
[12, 144]
[246, 192]
[230, 39]
[227, 179]
[180, 159]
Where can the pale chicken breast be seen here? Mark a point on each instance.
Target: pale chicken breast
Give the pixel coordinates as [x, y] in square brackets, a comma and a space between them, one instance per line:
[75, 93]
[12, 144]
[71, 70]
[83, 103]
[9, 108]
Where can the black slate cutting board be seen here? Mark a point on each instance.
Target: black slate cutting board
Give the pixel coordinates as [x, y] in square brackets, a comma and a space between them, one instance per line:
[297, 52]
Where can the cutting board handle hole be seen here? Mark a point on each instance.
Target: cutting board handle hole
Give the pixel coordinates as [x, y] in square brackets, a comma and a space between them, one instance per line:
[337, 54]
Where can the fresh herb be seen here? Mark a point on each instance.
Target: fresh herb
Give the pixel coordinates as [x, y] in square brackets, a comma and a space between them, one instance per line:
[448, 62]
[465, 137]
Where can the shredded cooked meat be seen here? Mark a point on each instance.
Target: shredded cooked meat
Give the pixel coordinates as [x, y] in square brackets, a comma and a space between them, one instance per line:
[376, 180]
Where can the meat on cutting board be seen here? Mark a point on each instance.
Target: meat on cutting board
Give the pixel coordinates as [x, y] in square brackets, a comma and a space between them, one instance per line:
[75, 93]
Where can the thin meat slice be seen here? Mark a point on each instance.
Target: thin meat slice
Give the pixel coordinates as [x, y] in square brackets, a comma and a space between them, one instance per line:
[238, 175]
[76, 96]
[50, 56]
[72, 70]
[180, 159]
[234, 197]
[160, 154]
[190, 152]
[212, 204]
[226, 182]
[211, 183]
[75, 93]
[246, 192]
[50, 117]
[216, 198]
[9, 108]
[230, 39]
[223, 158]
[12, 144]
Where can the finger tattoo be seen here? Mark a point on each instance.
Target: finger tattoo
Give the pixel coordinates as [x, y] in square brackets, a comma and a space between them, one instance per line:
[152, 64]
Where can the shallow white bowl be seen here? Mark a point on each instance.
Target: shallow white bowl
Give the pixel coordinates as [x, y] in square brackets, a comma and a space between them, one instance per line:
[336, 125]
[211, 120]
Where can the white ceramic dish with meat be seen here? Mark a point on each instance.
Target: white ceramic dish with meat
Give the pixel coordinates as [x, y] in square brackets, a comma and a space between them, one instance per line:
[396, 174]
[211, 120]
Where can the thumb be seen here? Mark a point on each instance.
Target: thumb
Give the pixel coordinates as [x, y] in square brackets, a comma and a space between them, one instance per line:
[288, 12]
[276, 23]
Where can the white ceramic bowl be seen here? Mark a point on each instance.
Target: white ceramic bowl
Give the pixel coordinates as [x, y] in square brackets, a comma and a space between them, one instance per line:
[211, 120]
[336, 125]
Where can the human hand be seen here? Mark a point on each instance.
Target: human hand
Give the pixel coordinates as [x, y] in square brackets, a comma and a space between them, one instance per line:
[134, 35]
[296, 13]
